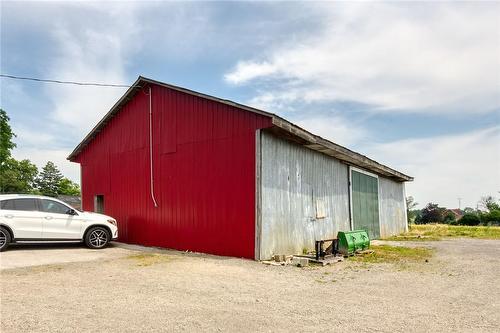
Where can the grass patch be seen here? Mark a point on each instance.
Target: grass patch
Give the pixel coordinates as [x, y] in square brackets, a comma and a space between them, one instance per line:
[148, 259]
[431, 232]
[394, 255]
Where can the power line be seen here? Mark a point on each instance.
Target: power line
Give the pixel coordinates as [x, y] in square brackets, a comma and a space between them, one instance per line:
[65, 82]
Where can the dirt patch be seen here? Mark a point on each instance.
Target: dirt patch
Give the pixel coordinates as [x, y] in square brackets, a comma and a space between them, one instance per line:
[148, 259]
[456, 290]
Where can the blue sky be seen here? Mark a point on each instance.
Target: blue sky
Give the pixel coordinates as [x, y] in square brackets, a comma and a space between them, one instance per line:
[412, 85]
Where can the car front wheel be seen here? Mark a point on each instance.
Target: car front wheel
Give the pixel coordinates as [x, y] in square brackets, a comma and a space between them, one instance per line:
[97, 238]
[4, 239]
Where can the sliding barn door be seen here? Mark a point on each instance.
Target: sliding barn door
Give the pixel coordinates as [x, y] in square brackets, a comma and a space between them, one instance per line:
[364, 202]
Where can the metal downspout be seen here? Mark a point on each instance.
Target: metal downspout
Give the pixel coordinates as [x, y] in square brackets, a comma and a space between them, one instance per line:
[151, 149]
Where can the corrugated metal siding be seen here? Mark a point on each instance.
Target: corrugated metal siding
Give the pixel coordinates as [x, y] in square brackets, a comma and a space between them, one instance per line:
[204, 171]
[292, 179]
[392, 207]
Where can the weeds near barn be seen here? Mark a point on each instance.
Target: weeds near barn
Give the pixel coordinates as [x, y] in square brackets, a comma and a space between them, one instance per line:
[394, 255]
[433, 232]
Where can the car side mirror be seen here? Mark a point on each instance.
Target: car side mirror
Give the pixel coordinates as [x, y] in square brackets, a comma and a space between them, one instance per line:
[72, 212]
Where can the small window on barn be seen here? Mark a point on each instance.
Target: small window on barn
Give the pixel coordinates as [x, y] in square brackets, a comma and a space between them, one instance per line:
[99, 203]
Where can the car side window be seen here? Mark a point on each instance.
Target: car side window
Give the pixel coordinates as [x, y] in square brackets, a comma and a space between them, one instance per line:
[28, 205]
[50, 206]
[7, 204]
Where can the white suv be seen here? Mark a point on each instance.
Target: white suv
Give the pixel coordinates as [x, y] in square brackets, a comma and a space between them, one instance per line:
[36, 219]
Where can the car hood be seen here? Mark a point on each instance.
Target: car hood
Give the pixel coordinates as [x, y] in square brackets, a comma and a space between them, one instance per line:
[95, 216]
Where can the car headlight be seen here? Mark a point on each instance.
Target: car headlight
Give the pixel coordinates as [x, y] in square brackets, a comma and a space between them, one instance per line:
[112, 221]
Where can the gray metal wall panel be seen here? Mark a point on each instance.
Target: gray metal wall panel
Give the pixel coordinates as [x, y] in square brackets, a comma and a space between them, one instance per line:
[292, 179]
[392, 207]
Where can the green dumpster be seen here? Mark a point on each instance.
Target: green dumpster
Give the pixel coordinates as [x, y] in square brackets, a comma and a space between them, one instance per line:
[352, 241]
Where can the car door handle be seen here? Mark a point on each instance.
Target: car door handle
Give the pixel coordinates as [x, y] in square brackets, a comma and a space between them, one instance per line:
[9, 216]
[48, 217]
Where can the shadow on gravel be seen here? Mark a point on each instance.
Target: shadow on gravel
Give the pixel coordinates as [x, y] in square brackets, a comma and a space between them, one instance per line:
[43, 246]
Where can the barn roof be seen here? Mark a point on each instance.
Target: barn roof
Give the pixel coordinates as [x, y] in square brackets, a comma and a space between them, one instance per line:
[282, 127]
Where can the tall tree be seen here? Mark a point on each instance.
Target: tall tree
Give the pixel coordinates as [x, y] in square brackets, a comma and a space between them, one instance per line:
[6, 135]
[411, 213]
[67, 187]
[49, 179]
[489, 203]
[432, 213]
[18, 176]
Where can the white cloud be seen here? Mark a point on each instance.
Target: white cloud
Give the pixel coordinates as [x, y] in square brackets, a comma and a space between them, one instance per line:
[30, 137]
[333, 128]
[91, 53]
[447, 167]
[90, 43]
[40, 146]
[420, 57]
[248, 70]
[40, 157]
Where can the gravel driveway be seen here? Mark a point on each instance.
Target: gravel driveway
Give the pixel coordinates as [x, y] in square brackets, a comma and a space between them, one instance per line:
[45, 254]
[131, 291]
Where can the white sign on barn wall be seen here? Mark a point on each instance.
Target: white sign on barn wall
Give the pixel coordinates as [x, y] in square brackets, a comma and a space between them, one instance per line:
[320, 209]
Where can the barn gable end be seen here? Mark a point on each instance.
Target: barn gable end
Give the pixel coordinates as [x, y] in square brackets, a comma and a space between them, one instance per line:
[203, 172]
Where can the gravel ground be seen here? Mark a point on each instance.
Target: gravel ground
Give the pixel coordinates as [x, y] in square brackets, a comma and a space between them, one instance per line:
[45, 254]
[457, 290]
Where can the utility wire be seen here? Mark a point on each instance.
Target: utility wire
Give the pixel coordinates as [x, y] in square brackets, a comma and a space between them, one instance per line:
[65, 82]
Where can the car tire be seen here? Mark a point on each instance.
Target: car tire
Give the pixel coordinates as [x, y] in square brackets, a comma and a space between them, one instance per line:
[4, 239]
[97, 238]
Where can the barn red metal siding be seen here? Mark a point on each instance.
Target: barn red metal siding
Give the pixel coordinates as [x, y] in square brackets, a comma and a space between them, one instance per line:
[204, 171]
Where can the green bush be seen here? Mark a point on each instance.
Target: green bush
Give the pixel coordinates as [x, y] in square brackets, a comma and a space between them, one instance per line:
[469, 219]
[492, 217]
[449, 218]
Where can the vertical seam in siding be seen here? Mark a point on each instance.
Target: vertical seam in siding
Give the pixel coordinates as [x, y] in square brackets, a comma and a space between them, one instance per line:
[349, 184]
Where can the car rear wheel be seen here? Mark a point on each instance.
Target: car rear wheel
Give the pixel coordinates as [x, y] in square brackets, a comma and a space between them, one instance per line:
[4, 239]
[97, 238]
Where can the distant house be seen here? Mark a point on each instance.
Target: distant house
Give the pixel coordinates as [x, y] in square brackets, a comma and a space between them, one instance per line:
[71, 200]
[457, 212]
[189, 171]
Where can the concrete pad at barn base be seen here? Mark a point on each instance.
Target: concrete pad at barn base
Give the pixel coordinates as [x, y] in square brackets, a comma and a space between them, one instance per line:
[18, 256]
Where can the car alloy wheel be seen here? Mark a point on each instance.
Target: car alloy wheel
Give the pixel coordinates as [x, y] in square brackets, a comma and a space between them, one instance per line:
[4, 238]
[98, 238]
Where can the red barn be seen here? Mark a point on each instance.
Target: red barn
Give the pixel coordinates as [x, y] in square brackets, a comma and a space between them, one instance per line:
[184, 170]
